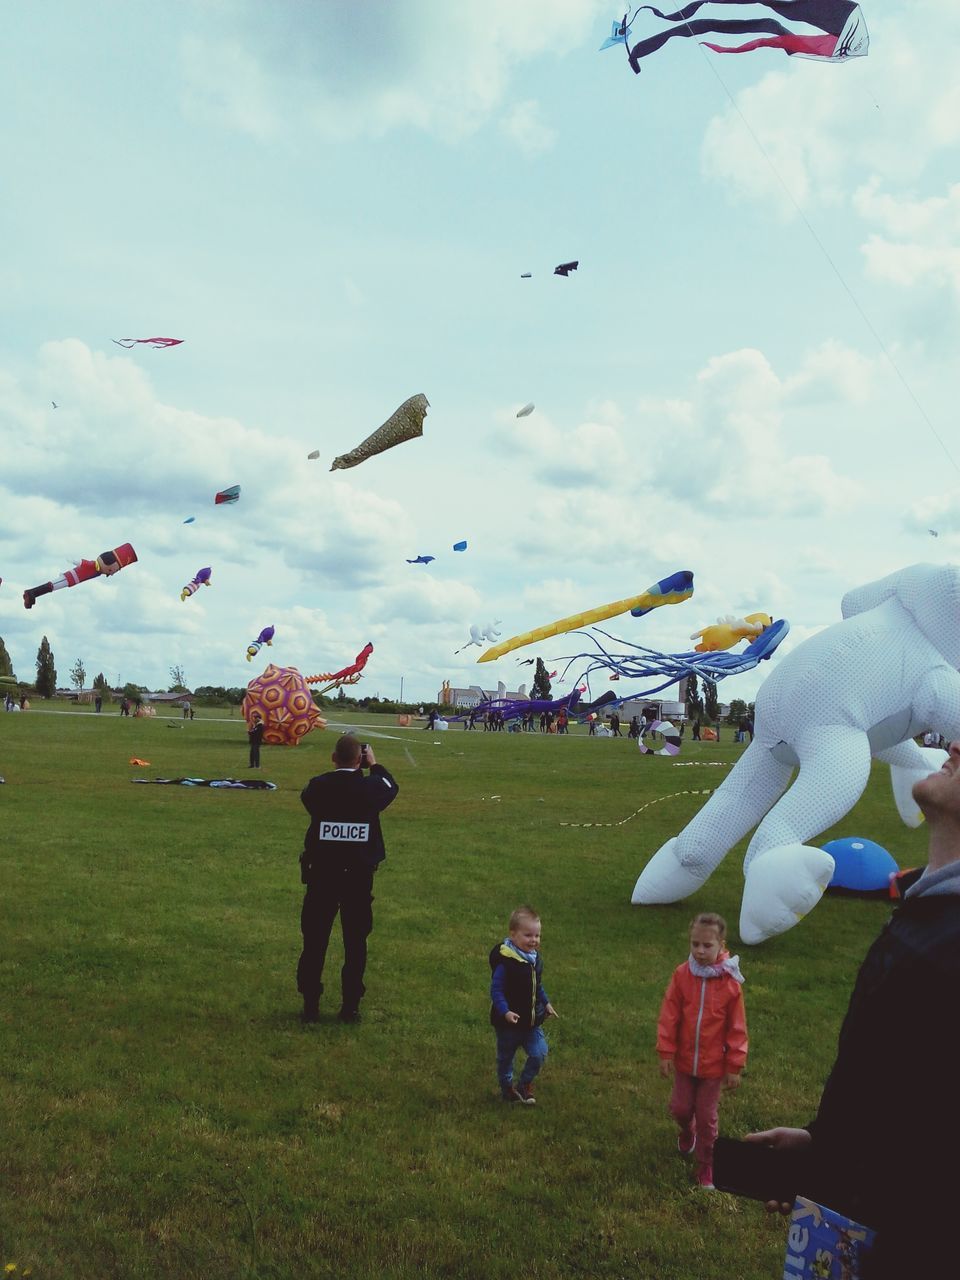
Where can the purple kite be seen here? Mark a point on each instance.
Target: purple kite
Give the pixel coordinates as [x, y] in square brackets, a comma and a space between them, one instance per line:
[200, 579]
[841, 32]
[265, 637]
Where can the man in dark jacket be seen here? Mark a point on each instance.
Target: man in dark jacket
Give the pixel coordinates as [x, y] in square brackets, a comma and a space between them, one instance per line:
[881, 1147]
[342, 849]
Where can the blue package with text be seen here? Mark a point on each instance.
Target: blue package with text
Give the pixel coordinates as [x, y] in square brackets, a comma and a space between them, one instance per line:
[824, 1245]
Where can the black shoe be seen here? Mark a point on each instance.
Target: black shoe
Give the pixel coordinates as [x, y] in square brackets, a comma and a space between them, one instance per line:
[311, 1011]
[348, 1015]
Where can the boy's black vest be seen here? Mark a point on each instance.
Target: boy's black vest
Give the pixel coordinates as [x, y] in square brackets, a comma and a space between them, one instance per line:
[520, 986]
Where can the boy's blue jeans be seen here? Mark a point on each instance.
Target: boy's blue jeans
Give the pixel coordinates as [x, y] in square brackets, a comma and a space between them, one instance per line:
[534, 1045]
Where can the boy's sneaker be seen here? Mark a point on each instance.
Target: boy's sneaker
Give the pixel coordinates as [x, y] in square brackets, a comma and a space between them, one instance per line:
[686, 1141]
[526, 1094]
[510, 1094]
[705, 1177]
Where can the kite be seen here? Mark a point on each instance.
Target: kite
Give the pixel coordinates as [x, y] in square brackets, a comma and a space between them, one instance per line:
[646, 664]
[347, 675]
[460, 546]
[526, 410]
[841, 32]
[729, 631]
[618, 35]
[422, 560]
[479, 634]
[201, 579]
[265, 637]
[150, 342]
[517, 708]
[861, 688]
[671, 739]
[105, 565]
[565, 268]
[228, 784]
[526, 275]
[672, 590]
[227, 496]
[933, 533]
[312, 457]
[405, 423]
[189, 519]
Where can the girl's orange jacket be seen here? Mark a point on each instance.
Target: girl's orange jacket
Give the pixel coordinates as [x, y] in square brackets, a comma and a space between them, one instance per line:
[703, 1025]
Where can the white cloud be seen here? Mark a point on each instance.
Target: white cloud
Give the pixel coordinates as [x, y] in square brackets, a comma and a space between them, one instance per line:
[919, 241]
[524, 127]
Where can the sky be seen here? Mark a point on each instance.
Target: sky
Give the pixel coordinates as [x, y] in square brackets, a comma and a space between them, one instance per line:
[752, 374]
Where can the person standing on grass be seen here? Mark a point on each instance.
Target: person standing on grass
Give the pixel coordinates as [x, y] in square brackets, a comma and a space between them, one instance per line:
[702, 1038]
[341, 851]
[519, 1004]
[881, 1147]
[255, 735]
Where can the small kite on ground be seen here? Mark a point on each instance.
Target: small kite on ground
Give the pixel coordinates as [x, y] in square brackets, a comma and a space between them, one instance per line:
[565, 268]
[460, 546]
[227, 496]
[149, 342]
[526, 410]
[405, 423]
[265, 637]
[227, 784]
[672, 590]
[671, 739]
[422, 560]
[841, 32]
[201, 579]
[105, 565]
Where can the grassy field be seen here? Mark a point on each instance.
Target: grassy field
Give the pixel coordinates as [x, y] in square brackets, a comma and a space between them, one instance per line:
[165, 1114]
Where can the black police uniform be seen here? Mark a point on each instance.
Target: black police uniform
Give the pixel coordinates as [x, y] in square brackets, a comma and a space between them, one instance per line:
[342, 849]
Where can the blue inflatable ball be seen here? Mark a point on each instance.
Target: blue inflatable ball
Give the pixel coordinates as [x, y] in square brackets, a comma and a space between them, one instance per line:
[862, 866]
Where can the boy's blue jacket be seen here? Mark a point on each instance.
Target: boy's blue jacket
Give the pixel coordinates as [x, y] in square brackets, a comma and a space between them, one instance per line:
[516, 984]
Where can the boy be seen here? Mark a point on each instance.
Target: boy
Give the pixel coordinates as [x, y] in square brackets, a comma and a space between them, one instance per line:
[519, 1004]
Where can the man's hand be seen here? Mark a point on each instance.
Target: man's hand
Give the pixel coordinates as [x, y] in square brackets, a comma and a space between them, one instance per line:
[731, 1081]
[551, 1011]
[666, 1068]
[511, 1017]
[783, 1140]
[368, 757]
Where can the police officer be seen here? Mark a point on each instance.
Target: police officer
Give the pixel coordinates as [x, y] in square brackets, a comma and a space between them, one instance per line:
[342, 849]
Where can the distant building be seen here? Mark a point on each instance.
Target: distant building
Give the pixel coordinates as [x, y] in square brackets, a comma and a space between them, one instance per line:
[467, 698]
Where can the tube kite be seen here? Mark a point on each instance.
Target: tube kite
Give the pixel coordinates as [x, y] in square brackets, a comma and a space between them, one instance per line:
[150, 342]
[265, 637]
[105, 565]
[227, 496]
[347, 675]
[405, 423]
[672, 590]
[201, 579]
[460, 546]
[526, 410]
[841, 32]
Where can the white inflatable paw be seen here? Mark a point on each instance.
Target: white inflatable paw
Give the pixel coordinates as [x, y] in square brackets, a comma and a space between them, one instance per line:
[781, 886]
[663, 879]
[903, 780]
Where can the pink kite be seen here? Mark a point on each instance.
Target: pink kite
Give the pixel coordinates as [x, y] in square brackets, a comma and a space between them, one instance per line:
[150, 342]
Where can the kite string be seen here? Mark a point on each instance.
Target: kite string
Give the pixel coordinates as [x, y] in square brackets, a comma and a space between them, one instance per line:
[705, 792]
[833, 266]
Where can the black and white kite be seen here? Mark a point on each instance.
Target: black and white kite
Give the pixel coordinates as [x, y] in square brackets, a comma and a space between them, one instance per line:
[825, 30]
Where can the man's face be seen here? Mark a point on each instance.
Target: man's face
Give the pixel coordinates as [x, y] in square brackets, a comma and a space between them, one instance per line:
[940, 792]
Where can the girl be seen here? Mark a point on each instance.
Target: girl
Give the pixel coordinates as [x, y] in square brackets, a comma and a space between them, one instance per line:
[702, 1038]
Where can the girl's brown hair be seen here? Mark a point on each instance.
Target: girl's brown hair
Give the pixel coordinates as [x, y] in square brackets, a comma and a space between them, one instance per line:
[710, 920]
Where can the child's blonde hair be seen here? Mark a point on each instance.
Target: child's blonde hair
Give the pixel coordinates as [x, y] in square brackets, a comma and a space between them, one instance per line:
[522, 913]
[710, 920]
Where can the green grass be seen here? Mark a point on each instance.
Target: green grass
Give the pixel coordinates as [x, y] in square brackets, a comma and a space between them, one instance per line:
[164, 1113]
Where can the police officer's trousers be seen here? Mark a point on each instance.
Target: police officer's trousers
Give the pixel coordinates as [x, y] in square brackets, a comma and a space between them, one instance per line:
[349, 891]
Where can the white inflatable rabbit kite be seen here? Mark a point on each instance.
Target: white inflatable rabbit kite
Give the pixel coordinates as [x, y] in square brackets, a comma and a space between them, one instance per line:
[863, 687]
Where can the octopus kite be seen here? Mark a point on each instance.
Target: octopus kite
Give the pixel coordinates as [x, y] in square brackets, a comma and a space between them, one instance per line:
[405, 423]
[105, 565]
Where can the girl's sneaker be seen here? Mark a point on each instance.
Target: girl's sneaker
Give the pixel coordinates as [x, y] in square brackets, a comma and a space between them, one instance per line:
[686, 1141]
[705, 1177]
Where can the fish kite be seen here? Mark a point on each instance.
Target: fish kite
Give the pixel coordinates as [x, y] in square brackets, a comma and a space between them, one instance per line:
[460, 546]
[106, 565]
[347, 675]
[405, 423]
[189, 519]
[265, 637]
[840, 31]
[227, 495]
[565, 268]
[526, 410]
[150, 342]
[422, 560]
[201, 579]
[673, 590]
